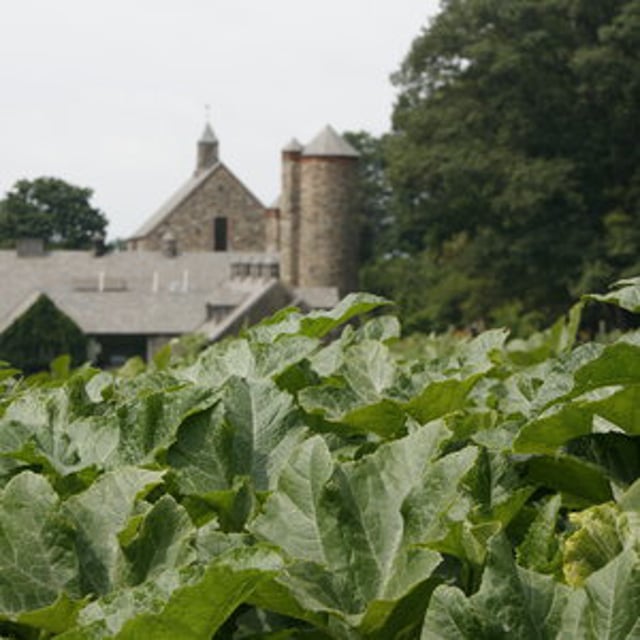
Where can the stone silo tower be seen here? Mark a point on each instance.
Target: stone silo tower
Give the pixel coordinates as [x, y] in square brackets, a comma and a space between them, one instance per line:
[289, 237]
[327, 243]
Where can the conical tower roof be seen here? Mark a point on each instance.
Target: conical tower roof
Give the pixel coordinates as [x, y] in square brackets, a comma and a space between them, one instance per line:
[293, 146]
[208, 136]
[329, 143]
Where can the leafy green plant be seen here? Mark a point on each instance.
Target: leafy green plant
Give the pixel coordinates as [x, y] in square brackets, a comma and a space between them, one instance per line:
[297, 482]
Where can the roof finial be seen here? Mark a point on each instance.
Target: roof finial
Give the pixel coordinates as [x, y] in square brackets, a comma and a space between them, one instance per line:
[207, 113]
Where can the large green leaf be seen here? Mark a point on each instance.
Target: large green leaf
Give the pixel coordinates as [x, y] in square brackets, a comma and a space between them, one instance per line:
[54, 428]
[266, 427]
[608, 606]
[346, 413]
[554, 380]
[512, 602]
[38, 564]
[274, 358]
[258, 624]
[316, 324]
[440, 398]
[376, 331]
[437, 502]
[444, 386]
[616, 454]
[540, 549]
[353, 529]
[477, 495]
[583, 415]
[190, 604]
[148, 424]
[617, 364]
[590, 371]
[161, 539]
[251, 432]
[319, 323]
[581, 483]
[358, 392]
[99, 514]
[201, 457]
[367, 391]
[624, 294]
[220, 362]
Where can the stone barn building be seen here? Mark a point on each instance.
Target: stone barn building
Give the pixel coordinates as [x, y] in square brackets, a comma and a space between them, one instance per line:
[211, 259]
[310, 231]
[212, 211]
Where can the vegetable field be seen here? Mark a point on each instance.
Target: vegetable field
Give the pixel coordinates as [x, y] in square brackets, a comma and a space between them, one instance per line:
[306, 480]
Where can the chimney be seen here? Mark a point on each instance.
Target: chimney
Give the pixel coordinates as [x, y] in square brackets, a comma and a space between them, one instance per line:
[30, 247]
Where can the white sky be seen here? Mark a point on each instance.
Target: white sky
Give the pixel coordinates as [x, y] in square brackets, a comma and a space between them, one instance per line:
[110, 94]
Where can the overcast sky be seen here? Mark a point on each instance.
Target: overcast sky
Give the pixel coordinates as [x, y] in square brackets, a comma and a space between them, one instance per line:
[110, 94]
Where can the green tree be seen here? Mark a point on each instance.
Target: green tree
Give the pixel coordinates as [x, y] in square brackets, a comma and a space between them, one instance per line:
[51, 209]
[374, 196]
[514, 142]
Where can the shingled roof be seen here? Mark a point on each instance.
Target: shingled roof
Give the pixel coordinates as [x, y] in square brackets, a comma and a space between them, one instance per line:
[133, 292]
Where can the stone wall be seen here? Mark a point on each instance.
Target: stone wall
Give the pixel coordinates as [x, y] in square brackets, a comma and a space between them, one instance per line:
[272, 230]
[290, 217]
[328, 249]
[192, 221]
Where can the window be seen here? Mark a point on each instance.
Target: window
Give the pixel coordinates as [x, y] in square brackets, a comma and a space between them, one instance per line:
[220, 234]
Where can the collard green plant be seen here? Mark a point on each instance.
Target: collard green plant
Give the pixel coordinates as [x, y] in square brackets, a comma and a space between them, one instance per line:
[309, 480]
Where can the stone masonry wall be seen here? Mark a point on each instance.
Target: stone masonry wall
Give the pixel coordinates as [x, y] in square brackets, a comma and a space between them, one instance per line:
[290, 218]
[192, 222]
[328, 238]
[272, 230]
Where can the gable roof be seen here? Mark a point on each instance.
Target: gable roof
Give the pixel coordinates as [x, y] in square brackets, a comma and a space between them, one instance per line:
[183, 193]
[263, 301]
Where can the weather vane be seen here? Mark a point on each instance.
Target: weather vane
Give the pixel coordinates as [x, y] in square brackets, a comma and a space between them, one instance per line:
[207, 112]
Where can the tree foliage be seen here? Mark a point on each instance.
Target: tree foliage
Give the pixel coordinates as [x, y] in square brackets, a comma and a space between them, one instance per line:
[51, 209]
[374, 196]
[513, 158]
